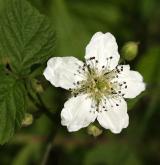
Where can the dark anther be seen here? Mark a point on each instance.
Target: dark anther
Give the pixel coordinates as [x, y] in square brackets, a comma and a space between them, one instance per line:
[122, 94]
[103, 107]
[75, 95]
[126, 86]
[111, 57]
[92, 58]
[117, 104]
[119, 91]
[117, 76]
[96, 61]
[103, 66]
[124, 82]
[106, 73]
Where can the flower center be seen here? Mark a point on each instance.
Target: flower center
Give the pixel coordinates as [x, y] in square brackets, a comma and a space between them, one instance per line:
[99, 84]
[96, 85]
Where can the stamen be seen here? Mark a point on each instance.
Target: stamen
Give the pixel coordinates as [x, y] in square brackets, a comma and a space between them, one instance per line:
[92, 58]
[99, 85]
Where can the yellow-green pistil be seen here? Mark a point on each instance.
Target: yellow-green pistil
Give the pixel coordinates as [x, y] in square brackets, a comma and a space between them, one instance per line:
[96, 85]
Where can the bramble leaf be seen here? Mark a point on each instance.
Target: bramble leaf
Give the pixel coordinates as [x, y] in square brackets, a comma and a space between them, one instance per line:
[12, 106]
[26, 36]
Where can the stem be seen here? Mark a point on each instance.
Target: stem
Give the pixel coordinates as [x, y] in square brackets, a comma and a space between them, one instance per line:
[37, 100]
[49, 146]
[44, 109]
[52, 117]
[46, 155]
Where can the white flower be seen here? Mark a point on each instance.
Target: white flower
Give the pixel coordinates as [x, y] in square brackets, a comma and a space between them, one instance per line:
[98, 86]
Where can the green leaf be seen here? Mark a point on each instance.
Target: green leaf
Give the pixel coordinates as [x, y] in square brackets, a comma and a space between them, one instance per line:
[12, 106]
[26, 36]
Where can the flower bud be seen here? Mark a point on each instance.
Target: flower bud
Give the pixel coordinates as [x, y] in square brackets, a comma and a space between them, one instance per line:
[28, 120]
[130, 50]
[94, 130]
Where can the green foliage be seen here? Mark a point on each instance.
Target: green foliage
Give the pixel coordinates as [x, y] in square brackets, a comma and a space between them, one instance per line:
[12, 106]
[26, 36]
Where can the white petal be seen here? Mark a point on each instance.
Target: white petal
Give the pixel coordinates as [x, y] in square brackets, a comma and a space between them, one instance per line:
[60, 71]
[78, 113]
[134, 82]
[116, 117]
[102, 46]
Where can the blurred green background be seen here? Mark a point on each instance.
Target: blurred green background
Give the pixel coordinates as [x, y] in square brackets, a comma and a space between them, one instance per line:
[75, 21]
